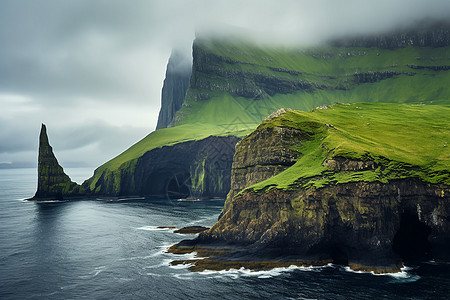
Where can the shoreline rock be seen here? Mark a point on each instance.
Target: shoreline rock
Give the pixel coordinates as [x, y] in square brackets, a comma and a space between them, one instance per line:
[372, 223]
[191, 229]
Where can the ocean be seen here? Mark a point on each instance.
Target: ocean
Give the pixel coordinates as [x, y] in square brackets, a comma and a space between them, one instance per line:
[115, 250]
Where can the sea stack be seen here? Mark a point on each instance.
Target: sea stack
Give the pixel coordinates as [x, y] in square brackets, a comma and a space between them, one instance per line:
[53, 183]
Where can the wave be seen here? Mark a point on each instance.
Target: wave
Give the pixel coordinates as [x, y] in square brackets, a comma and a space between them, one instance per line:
[50, 201]
[156, 228]
[119, 199]
[135, 258]
[244, 272]
[402, 276]
[189, 200]
[164, 263]
[94, 273]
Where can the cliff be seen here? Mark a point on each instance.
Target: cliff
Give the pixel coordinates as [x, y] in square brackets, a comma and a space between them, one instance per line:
[53, 183]
[424, 34]
[351, 184]
[235, 84]
[174, 88]
[188, 169]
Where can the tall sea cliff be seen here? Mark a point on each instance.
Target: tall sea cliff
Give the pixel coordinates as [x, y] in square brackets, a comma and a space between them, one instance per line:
[232, 85]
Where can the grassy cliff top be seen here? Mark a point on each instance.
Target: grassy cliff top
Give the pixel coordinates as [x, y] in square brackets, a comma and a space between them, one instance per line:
[167, 137]
[403, 141]
[334, 67]
[323, 63]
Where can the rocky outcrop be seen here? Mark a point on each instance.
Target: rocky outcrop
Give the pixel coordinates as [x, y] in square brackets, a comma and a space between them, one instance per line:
[371, 226]
[371, 77]
[272, 155]
[434, 68]
[367, 224]
[175, 86]
[188, 169]
[53, 183]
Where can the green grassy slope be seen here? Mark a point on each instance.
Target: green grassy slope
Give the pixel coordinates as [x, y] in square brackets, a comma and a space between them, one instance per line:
[223, 114]
[403, 141]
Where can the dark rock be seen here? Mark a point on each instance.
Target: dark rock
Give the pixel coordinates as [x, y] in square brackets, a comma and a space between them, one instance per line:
[371, 77]
[53, 183]
[175, 86]
[367, 225]
[189, 169]
[252, 164]
[434, 68]
[426, 34]
[191, 229]
[210, 73]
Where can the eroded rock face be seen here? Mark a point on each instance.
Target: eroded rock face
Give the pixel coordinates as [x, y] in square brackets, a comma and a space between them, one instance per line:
[189, 169]
[356, 223]
[368, 225]
[210, 74]
[261, 155]
[53, 183]
[175, 86]
[345, 164]
[429, 34]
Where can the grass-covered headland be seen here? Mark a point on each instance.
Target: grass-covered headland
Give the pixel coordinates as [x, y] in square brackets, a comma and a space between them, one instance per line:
[236, 84]
[399, 141]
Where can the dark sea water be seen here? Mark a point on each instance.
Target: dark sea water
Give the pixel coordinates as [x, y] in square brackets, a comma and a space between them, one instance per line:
[113, 250]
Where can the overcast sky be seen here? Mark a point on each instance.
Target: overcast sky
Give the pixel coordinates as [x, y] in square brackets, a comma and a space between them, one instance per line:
[93, 70]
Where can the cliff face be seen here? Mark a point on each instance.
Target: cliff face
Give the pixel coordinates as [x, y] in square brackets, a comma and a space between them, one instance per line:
[272, 156]
[53, 183]
[212, 73]
[175, 86]
[320, 205]
[371, 226]
[235, 84]
[189, 169]
[428, 34]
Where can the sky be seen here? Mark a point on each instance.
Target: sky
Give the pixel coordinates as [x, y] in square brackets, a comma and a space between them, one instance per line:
[92, 71]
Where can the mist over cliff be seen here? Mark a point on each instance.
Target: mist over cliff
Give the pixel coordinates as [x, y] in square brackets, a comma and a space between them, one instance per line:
[175, 86]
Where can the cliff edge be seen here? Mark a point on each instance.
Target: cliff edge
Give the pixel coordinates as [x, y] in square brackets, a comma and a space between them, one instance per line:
[351, 184]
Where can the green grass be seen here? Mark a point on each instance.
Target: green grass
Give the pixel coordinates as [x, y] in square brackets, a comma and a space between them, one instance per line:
[165, 137]
[329, 60]
[403, 140]
[223, 114]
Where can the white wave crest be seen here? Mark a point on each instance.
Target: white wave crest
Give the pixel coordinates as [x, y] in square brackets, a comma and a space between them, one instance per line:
[155, 228]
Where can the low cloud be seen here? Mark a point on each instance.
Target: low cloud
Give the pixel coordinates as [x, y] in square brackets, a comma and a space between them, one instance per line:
[93, 70]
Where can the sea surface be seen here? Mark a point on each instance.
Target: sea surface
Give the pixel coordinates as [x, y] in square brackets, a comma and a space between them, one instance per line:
[114, 250]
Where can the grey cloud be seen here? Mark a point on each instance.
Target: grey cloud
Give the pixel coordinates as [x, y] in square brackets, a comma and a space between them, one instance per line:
[93, 70]
[82, 47]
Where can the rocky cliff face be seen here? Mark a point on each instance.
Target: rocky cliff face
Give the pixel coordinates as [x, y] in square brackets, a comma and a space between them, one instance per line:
[254, 164]
[175, 86]
[189, 169]
[211, 73]
[368, 224]
[428, 34]
[53, 183]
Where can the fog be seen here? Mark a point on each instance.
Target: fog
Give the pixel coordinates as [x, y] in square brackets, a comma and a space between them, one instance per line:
[93, 70]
